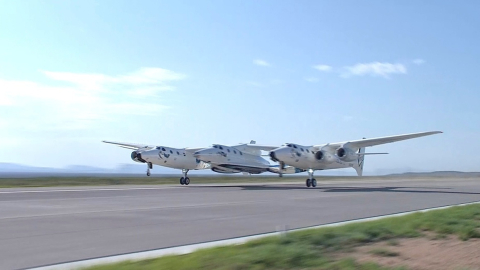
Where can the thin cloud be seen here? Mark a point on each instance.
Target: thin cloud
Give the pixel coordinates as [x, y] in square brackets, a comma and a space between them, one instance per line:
[418, 61]
[85, 99]
[260, 62]
[324, 68]
[374, 69]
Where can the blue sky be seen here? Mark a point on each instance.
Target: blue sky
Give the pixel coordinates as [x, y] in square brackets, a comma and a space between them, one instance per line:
[193, 73]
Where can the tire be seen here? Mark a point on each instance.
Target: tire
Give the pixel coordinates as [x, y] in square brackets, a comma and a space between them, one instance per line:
[148, 173]
[187, 181]
[308, 182]
[314, 182]
[182, 181]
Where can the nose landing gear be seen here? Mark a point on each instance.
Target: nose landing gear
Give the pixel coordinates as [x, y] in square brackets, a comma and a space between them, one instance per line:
[184, 180]
[311, 181]
[150, 166]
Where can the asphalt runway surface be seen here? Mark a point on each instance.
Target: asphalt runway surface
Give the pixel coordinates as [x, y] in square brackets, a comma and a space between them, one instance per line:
[45, 226]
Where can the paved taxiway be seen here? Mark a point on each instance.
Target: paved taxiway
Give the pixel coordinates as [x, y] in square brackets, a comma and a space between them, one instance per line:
[43, 226]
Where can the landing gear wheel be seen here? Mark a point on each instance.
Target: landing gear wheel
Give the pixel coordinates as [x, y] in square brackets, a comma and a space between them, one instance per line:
[186, 181]
[308, 182]
[314, 182]
[182, 181]
[148, 173]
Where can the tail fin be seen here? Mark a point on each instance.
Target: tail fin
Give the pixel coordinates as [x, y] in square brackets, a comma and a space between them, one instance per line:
[359, 166]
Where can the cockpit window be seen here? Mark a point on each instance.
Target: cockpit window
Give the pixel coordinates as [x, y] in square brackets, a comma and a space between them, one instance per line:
[234, 151]
[158, 147]
[163, 149]
[289, 145]
[294, 146]
[215, 146]
[221, 148]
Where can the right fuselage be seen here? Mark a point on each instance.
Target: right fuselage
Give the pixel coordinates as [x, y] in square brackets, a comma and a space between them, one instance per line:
[305, 157]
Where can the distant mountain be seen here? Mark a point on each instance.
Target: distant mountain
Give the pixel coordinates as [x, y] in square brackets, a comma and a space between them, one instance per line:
[18, 170]
[12, 167]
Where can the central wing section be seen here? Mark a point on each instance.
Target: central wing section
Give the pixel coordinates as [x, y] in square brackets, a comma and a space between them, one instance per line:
[234, 159]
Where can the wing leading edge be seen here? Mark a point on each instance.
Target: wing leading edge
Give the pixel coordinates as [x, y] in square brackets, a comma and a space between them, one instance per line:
[132, 146]
[377, 141]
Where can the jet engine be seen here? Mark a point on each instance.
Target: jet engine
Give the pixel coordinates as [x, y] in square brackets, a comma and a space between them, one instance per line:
[324, 156]
[137, 156]
[346, 154]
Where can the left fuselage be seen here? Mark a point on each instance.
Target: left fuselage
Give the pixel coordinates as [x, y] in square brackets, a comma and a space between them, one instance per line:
[177, 158]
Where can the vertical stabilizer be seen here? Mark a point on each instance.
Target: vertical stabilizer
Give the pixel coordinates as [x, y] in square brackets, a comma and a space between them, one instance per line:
[359, 165]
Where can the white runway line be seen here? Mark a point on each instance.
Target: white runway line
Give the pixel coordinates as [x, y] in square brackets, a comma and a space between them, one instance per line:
[191, 248]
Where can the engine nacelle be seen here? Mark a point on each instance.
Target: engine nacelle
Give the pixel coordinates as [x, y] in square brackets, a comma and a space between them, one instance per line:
[137, 157]
[324, 156]
[346, 154]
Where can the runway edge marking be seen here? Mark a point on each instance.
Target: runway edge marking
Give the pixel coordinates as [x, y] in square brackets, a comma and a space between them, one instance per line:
[186, 249]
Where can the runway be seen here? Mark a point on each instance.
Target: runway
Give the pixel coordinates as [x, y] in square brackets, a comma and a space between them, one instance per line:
[44, 226]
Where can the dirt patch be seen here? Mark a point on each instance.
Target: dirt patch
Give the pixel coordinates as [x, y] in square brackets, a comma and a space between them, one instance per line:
[422, 253]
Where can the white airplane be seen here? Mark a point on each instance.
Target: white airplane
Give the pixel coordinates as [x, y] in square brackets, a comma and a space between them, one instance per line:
[348, 154]
[244, 158]
[177, 158]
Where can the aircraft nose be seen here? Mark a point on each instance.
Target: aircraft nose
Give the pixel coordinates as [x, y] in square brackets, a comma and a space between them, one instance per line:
[279, 154]
[273, 156]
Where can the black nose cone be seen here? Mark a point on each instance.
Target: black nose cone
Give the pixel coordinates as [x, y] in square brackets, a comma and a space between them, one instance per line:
[273, 157]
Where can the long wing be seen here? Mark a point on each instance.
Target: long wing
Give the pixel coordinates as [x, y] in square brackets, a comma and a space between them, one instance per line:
[261, 147]
[376, 141]
[132, 146]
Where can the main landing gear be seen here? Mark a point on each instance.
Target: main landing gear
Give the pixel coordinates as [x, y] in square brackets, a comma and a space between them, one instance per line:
[311, 182]
[150, 166]
[184, 180]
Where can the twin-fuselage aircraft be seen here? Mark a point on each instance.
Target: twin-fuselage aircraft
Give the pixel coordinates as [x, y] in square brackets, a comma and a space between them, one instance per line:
[247, 158]
[242, 158]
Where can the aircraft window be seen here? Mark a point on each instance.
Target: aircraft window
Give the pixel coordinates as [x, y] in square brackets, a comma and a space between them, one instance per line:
[215, 146]
[163, 148]
[289, 145]
[158, 147]
[171, 152]
[178, 153]
[301, 149]
[228, 150]
[240, 153]
[234, 151]
[307, 151]
[221, 148]
[294, 146]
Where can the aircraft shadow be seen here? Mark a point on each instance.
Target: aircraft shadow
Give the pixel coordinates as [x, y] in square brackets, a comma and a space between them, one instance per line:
[436, 190]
